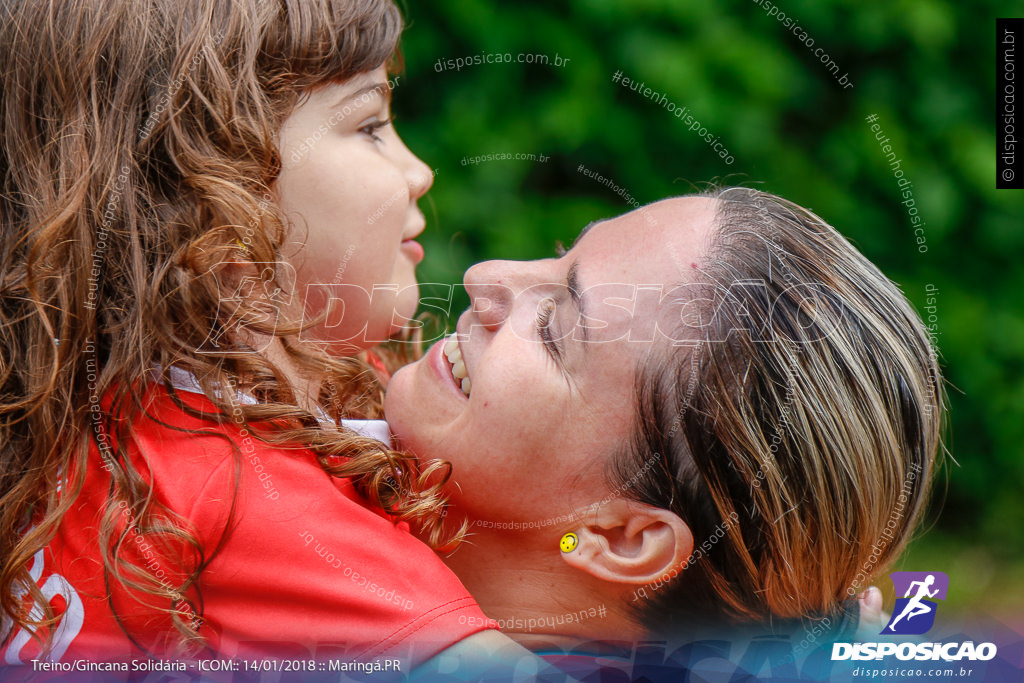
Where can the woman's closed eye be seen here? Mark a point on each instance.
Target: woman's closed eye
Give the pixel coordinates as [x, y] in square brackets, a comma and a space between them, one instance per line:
[545, 314]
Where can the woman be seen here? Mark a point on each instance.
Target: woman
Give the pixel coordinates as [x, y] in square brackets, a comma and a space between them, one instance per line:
[712, 409]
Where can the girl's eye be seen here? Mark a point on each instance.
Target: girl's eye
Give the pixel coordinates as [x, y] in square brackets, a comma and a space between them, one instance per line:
[371, 128]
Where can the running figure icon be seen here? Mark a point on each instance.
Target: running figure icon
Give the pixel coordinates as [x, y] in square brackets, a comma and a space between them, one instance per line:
[916, 605]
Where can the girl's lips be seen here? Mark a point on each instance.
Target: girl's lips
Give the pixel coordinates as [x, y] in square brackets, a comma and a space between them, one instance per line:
[440, 365]
[413, 249]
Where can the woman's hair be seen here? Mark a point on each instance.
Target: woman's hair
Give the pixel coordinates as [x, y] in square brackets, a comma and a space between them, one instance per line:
[139, 149]
[795, 428]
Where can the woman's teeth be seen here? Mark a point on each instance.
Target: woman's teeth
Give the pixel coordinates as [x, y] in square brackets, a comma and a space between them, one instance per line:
[454, 355]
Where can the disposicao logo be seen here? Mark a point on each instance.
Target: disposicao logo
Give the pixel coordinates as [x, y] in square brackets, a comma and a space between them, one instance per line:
[914, 615]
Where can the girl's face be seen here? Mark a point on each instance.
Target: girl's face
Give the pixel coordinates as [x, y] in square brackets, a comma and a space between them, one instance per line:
[348, 187]
[546, 411]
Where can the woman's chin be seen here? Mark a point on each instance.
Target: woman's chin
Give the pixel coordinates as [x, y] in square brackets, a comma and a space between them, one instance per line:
[399, 402]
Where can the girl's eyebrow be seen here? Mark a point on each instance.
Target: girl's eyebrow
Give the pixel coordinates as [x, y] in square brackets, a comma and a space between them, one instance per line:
[365, 91]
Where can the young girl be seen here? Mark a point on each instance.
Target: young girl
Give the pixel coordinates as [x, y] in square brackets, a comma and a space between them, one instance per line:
[205, 216]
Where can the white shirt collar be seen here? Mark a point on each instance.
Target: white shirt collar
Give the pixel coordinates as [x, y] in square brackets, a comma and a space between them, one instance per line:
[183, 380]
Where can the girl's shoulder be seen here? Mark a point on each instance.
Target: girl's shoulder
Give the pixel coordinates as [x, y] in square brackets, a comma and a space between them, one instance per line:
[297, 531]
[295, 561]
[194, 453]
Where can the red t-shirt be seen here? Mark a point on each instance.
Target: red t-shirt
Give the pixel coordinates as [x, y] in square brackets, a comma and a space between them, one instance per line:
[306, 570]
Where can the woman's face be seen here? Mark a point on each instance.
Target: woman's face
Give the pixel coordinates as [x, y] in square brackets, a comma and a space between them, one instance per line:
[545, 412]
[348, 186]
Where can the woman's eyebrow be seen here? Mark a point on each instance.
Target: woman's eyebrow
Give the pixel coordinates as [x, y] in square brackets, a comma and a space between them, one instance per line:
[585, 229]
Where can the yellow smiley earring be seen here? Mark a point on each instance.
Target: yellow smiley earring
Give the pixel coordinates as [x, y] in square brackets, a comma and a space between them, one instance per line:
[569, 542]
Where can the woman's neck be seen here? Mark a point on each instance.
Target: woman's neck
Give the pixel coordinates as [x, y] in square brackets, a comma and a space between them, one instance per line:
[537, 599]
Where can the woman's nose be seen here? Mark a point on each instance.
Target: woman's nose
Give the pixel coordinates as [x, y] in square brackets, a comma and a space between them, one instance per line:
[490, 294]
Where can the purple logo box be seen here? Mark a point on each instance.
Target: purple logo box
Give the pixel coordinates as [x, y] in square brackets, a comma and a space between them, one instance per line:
[916, 596]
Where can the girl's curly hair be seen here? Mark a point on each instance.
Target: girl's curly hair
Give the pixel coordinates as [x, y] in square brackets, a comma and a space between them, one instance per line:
[138, 153]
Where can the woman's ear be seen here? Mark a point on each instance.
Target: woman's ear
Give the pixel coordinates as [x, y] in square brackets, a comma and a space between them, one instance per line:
[631, 542]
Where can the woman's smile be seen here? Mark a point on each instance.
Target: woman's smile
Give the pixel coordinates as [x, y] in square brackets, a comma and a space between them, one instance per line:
[447, 364]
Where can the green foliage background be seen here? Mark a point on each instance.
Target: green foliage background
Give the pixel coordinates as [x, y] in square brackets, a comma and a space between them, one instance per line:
[925, 67]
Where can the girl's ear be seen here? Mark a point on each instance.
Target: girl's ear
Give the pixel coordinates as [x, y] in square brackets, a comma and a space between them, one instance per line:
[633, 543]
